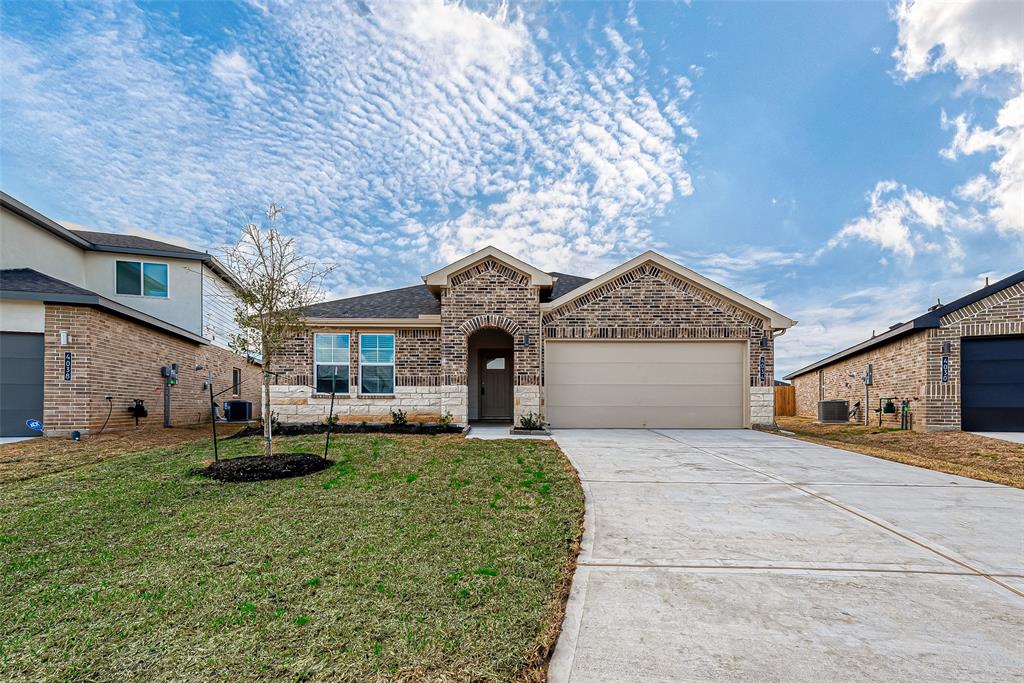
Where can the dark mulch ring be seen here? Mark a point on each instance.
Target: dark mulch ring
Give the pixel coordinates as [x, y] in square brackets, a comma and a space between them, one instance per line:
[263, 467]
[350, 428]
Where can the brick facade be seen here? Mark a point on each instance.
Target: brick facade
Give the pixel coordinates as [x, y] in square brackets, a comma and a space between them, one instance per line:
[432, 365]
[996, 315]
[898, 371]
[910, 367]
[649, 302]
[116, 357]
[491, 295]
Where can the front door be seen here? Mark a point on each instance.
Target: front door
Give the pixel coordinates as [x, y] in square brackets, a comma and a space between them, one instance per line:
[495, 384]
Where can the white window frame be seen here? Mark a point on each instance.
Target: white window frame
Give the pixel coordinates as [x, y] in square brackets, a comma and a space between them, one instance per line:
[347, 364]
[236, 387]
[392, 364]
[142, 278]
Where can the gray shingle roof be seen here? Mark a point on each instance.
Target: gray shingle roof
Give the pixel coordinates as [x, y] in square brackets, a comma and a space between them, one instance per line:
[411, 302]
[32, 281]
[407, 302]
[117, 241]
[565, 284]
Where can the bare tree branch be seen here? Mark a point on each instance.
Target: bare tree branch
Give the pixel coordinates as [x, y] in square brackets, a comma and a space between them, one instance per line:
[277, 282]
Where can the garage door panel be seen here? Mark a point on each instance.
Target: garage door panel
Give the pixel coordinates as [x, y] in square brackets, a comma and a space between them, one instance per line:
[645, 384]
[570, 352]
[650, 373]
[648, 395]
[21, 382]
[649, 417]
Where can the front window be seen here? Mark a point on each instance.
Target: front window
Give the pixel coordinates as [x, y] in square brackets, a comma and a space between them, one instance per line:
[331, 363]
[135, 278]
[377, 364]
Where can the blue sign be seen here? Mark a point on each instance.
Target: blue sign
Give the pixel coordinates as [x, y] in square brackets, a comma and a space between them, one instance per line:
[34, 424]
[945, 369]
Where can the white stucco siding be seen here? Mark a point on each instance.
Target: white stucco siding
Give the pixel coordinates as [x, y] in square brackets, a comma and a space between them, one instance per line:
[22, 316]
[183, 305]
[26, 245]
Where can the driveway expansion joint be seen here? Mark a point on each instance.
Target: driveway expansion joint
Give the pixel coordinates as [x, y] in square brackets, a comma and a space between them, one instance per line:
[825, 499]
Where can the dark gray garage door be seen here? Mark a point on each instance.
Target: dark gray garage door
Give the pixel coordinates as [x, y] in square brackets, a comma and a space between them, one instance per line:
[21, 382]
[992, 384]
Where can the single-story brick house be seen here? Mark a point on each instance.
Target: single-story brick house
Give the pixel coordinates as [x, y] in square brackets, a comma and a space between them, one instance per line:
[960, 365]
[650, 343]
[88, 315]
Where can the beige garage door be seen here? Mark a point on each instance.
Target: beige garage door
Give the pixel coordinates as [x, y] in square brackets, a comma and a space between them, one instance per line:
[645, 384]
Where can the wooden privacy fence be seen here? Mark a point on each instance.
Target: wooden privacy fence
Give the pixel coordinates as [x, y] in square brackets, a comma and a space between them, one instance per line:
[785, 401]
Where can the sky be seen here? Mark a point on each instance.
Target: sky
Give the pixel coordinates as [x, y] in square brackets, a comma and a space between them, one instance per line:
[847, 164]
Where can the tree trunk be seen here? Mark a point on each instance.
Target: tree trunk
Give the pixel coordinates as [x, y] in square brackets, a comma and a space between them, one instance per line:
[268, 443]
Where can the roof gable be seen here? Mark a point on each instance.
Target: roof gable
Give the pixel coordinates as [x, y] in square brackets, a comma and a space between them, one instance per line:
[775, 319]
[442, 278]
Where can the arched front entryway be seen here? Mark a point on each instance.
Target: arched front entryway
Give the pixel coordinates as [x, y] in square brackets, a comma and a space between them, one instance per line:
[491, 375]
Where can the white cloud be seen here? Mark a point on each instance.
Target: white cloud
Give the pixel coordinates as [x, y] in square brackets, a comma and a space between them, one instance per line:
[905, 221]
[976, 39]
[235, 72]
[424, 128]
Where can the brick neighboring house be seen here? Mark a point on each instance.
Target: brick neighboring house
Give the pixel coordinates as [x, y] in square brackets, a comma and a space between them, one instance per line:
[490, 337]
[960, 365]
[117, 308]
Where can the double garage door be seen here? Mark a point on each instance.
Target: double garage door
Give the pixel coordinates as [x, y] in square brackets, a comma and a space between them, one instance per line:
[645, 384]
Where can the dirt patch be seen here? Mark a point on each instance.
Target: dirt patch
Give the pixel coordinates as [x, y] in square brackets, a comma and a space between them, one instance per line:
[44, 455]
[351, 428]
[960, 453]
[264, 467]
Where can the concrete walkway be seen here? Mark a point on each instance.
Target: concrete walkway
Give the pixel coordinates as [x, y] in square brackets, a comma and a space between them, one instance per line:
[490, 431]
[738, 555]
[1012, 437]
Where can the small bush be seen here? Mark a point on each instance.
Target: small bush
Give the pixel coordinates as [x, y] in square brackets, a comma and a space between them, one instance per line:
[445, 420]
[398, 417]
[531, 420]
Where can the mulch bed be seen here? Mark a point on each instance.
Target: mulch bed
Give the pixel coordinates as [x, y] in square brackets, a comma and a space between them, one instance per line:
[350, 428]
[264, 467]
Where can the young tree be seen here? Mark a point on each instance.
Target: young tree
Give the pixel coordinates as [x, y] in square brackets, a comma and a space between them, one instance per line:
[276, 283]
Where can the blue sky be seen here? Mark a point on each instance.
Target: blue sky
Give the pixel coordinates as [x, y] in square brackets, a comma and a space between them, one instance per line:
[844, 163]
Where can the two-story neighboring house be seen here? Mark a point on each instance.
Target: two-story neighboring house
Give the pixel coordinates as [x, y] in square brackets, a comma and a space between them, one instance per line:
[89, 319]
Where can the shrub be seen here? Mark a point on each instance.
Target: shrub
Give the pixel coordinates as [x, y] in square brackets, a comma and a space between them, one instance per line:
[398, 417]
[531, 420]
[445, 420]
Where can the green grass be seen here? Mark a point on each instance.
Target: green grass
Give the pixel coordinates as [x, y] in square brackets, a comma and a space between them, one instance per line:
[411, 558]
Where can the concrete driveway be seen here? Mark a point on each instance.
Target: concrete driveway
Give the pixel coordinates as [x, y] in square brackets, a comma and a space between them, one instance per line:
[739, 555]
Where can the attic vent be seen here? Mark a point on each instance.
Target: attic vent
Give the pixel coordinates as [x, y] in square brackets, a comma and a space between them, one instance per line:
[934, 307]
[894, 326]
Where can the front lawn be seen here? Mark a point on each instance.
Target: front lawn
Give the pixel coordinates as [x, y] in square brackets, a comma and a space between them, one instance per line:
[411, 558]
[962, 453]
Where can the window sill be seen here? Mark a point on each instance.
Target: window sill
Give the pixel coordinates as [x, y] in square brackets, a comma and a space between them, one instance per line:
[376, 396]
[317, 394]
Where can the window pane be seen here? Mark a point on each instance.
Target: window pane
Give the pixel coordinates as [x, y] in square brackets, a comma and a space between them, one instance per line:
[129, 277]
[236, 380]
[331, 348]
[154, 279]
[324, 374]
[496, 364]
[377, 348]
[378, 379]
